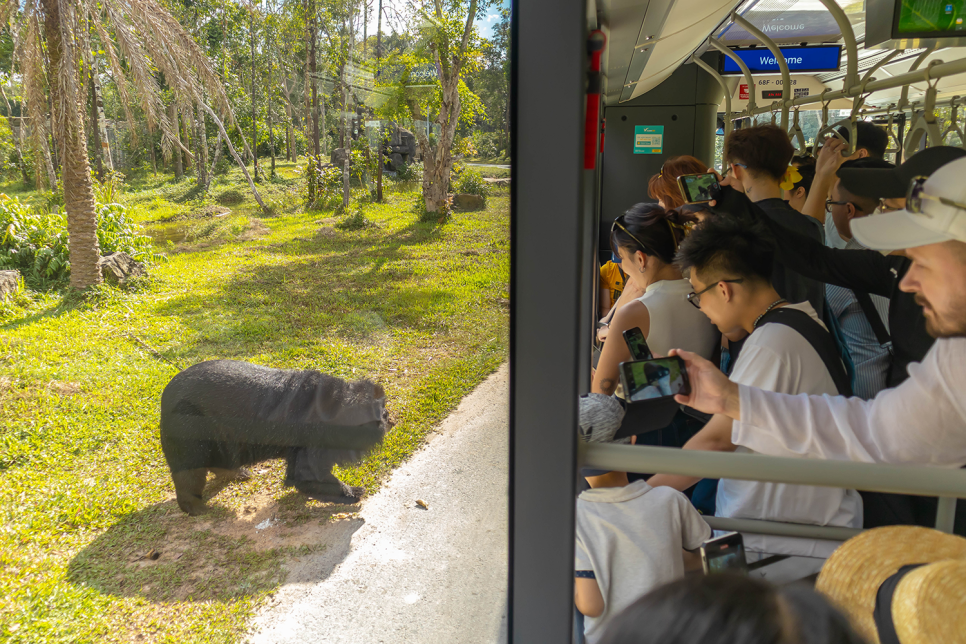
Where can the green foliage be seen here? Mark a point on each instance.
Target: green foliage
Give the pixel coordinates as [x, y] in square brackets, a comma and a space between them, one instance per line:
[230, 198]
[487, 144]
[34, 240]
[409, 172]
[323, 182]
[108, 190]
[465, 147]
[471, 182]
[356, 221]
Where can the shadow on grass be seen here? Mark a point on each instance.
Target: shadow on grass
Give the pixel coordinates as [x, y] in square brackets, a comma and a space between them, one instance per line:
[163, 555]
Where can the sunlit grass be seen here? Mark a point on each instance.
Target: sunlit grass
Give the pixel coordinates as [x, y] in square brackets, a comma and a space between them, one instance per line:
[84, 488]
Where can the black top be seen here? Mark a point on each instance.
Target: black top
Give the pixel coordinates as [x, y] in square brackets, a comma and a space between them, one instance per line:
[790, 282]
[868, 271]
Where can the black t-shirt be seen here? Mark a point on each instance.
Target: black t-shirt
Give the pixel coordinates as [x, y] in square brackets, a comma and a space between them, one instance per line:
[790, 284]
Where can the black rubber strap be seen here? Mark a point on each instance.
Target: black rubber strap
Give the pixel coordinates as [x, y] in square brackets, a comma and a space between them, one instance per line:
[872, 315]
[882, 615]
[818, 337]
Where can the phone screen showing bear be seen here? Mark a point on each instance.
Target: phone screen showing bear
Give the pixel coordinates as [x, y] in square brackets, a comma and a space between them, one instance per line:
[697, 188]
[657, 378]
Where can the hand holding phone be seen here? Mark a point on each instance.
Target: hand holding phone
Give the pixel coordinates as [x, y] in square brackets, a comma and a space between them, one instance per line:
[655, 378]
[699, 188]
[724, 554]
[637, 345]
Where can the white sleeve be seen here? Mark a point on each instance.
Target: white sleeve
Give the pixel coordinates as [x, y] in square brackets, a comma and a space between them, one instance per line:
[922, 421]
[694, 529]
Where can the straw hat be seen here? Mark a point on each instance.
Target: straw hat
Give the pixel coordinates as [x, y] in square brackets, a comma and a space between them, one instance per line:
[929, 603]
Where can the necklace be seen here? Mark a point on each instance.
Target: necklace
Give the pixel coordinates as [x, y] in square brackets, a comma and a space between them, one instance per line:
[780, 300]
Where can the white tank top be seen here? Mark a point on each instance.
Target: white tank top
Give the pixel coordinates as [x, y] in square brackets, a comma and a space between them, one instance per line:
[675, 323]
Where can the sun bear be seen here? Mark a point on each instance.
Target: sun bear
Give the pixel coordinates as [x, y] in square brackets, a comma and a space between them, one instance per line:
[222, 415]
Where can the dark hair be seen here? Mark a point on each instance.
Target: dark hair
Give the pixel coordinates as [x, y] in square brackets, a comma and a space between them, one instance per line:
[765, 149]
[865, 204]
[664, 185]
[729, 247]
[729, 609]
[652, 229]
[807, 170]
[869, 136]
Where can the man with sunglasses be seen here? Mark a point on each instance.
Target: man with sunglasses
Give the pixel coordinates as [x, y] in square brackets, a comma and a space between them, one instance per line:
[923, 420]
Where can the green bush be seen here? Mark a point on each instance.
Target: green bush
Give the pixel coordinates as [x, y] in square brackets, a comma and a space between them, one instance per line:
[34, 241]
[230, 198]
[323, 182]
[471, 182]
[488, 144]
[409, 172]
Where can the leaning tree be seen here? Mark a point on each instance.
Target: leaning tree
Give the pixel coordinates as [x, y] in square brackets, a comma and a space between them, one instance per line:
[140, 39]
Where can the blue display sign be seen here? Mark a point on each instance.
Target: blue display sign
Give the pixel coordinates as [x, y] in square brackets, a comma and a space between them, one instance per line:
[823, 58]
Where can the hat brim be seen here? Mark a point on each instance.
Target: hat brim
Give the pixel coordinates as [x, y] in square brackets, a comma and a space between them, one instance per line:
[875, 183]
[895, 230]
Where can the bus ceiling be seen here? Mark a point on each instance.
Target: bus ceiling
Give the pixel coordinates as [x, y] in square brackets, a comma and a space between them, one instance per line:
[648, 40]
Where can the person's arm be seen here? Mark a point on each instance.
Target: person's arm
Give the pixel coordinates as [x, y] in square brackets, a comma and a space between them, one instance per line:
[587, 597]
[615, 349]
[829, 161]
[922, 421]
[713, 437]
[861, 270]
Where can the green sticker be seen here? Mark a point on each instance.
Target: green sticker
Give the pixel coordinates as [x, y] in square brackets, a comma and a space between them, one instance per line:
[648, 139]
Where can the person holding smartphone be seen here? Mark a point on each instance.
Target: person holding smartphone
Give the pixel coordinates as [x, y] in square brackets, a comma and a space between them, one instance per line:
[646, 238]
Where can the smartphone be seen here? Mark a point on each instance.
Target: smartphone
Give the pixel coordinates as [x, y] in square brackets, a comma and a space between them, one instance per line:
[637, 344]
[699, 188]
[654, 378]
[724, 554]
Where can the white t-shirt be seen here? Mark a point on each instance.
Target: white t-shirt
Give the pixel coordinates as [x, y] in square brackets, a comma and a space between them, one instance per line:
[631, 537]
[676, 324]
[922, 421]
[777, 358]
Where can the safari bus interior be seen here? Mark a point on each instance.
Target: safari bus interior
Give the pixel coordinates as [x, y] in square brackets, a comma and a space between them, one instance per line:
[604, 92]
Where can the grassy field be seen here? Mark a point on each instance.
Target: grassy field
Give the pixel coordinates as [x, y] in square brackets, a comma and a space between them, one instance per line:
[92, 546]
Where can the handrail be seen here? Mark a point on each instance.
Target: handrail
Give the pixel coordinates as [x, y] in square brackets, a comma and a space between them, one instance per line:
[904, 96]
[848, 37]
[797, 135]
[942, 70]
[926, 124]
[953, 127]
[727, 94]
[727, 51]
[896, 479]
[779, 58]
[782, 529]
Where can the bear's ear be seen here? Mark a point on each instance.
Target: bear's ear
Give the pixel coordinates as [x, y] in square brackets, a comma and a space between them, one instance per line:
[378, 391]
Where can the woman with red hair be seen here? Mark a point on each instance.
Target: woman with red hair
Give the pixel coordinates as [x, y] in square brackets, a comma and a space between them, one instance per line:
[664, 185]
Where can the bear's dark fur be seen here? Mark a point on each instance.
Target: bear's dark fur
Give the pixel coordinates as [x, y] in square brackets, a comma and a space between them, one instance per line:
[221, 415]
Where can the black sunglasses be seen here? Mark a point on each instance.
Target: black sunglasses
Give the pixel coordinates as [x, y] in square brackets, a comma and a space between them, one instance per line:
[695, 298]
[618, 224]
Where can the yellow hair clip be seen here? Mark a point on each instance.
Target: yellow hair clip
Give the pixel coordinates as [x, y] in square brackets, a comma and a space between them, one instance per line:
[792, 176]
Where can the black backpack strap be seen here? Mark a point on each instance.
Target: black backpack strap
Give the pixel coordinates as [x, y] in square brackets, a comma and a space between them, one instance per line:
[872, 315]
[818, 337]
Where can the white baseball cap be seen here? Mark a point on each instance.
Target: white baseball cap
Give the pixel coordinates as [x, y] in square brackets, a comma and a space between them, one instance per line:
[935, 212]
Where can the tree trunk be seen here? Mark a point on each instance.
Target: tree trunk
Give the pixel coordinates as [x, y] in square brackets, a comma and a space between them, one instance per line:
[102, 146]
[313, 71]
[154, 158]
[18, 137]
[201, 138]
[288, 122]
[214, 163]
[238, 159]
[68, 126]
[185, 142]
[268, 103]
[178, 160]
[258, 175]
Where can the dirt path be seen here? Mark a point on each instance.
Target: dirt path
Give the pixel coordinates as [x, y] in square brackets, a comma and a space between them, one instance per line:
[399, 572]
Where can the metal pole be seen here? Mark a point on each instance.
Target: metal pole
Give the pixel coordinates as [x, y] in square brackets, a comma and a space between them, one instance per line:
[941, 70]
[727, 95]
[779, 57]
[754, 526]
[946, 514]
[895, 479]
[741, 65]
[848, 37]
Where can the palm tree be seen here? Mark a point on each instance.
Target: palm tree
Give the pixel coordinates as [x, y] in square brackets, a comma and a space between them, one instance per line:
[150, 41]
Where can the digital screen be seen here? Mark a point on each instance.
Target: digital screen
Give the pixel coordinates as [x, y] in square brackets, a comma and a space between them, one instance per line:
[925, 17]
[648, 379]
[824, 58]
[697, 187]
[725, 561]
[637, 345]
